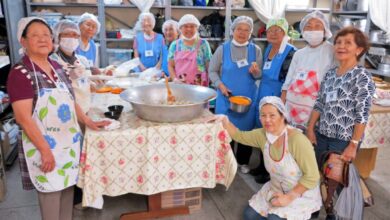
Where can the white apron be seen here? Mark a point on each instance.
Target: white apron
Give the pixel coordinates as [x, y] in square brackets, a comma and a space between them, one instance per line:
[55, 116]
[285, 174]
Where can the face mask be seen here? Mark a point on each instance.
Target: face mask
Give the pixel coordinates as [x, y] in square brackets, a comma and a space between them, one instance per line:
[314, 38]
[190, 38]
[69, 44]
[238, 44]
[272, 138]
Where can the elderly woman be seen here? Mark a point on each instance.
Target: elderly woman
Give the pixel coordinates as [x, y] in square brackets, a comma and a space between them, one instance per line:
[148, 45]
[308, 68]
[66, 36]
[171, 32]
[344, 100]
[276, 62]
[189, 57]
[233, 70]
[43, 103]
[293, 190]
[89, 26]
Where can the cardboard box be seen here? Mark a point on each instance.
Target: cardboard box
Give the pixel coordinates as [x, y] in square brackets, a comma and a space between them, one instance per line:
[183, 197]
[365, 161]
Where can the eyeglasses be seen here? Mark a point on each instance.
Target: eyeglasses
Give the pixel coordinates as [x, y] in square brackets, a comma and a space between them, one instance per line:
[274, 31]
[37, 37]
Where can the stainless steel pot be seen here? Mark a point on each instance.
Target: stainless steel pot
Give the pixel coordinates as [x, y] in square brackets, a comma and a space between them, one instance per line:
[375, 36]
[240, 108]
[147, 101]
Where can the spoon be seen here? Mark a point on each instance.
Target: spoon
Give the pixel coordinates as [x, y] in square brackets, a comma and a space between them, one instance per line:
[171, 99]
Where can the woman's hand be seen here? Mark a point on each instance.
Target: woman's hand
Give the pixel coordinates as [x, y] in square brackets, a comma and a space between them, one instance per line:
[47, 159]
[225, 91]
[280, 200]
[254, 69]
[349, 153]
[311, 136]
[96, 125]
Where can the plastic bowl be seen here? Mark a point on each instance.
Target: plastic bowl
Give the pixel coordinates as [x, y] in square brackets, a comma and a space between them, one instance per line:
[115, 108]
[112, 115]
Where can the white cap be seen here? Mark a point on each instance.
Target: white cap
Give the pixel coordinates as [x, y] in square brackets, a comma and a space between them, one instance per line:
[172, 23]
[89, 16]
[23, 22]
[277, 102]
[320, 16]
[64, 26]
[242, 20]
[145, 15]
[189, 19]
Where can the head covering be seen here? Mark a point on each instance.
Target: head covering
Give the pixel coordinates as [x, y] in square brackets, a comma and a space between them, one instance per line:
[320, 16]
[189, 19]
[280, 22]
[241, 20]
[145, 15]
[64, 26]
[277, 102]
[92, 17]
[22, 24]
[172, 23]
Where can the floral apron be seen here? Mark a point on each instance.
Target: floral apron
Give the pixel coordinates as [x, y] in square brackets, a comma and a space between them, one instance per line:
[55, 116]
[186, 67]
[285, 174]
[301, 96]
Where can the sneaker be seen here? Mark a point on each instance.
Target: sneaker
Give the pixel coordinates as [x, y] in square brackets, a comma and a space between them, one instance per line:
[79, 207]
[244, 168]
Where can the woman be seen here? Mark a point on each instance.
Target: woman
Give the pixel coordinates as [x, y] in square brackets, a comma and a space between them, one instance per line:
[276, 62]
[293, 191]
[171, 32]
[308, 68]
[89, 26]
[43, 103]
[189, 57]
[148, 45]
[233, 72]
[66, 36]
[344, 100]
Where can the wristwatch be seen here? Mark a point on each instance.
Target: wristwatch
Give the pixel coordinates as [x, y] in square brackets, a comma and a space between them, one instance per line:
[355, 142]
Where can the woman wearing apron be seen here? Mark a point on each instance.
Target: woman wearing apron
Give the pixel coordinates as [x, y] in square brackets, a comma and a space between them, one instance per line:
[293, 190]
[277, 59]
[148, 45]
[232, 71]
[189, 57]
[43, 103]
[308, 68]
[171, 32]
[89, 26]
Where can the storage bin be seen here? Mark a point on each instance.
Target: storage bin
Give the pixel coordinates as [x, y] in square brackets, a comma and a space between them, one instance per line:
[118, 56]
[183, 197]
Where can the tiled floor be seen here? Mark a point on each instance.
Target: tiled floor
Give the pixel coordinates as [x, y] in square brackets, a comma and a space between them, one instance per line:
[217, 203]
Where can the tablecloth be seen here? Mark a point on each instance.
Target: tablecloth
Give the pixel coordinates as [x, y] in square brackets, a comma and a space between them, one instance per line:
[377, 130]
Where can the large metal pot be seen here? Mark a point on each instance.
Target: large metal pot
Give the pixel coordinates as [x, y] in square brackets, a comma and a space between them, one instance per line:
[148, 101]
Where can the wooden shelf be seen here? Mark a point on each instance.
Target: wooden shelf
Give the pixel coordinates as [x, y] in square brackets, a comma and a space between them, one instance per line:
[45, 4]
[360, 13]
[197, 7]
[307, 10]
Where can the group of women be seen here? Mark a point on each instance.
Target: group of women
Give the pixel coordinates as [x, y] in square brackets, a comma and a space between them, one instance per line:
[319, 90]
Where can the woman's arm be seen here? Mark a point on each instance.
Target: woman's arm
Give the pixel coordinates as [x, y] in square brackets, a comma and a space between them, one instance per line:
[349, 152]
[22, 111]
[314, 117]
[84, 119]
[250, 138]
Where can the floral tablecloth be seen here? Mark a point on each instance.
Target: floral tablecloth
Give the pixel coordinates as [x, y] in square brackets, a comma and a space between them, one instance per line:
[146, 158]
[378, 128]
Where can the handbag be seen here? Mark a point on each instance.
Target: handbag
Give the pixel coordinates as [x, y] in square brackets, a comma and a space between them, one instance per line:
[334, 168]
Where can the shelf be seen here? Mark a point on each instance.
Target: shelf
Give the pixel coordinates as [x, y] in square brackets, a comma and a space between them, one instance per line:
[119, 39]
[197, 7]
[128, 6]
[307, 10]
[361, 13]
[379, 43]
[242, 9]
[45, 4]
[377, 72]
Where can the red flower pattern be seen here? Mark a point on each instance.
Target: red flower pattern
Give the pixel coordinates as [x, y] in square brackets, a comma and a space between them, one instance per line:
[140, 179]
[382, 140]
[140, 140]
[208, 138]
[222, 136]
[173, 140]
[171, 175]
[104, 180]
[83, 158]
[121, 161]
[101, 144]
[190, 157]
[205, 175]
[156, 158]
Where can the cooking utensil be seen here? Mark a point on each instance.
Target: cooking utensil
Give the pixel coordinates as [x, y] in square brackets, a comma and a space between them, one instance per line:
[170, 97]
[115, 108]
[112, 115]
[147, 101]
[239, 108]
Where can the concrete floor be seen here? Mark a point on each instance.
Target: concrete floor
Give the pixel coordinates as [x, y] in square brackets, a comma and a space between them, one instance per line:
[217, 203]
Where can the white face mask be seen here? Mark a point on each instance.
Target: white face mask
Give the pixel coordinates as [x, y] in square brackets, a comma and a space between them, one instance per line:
[314, 38]
[190, 38]
[69, 44]
[272, 138]
[238, 44]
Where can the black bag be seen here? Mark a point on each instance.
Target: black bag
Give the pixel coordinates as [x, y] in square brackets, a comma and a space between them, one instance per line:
[159, 23]
[216, 21]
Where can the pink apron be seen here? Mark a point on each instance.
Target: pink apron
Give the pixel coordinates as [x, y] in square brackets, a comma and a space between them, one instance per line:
[186, 67]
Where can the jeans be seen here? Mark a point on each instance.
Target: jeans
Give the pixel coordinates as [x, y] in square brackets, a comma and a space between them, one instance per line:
[325, 144]
[251, 214]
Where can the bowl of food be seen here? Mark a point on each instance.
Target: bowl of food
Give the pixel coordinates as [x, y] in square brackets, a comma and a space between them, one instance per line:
[240, 104]
[150, 102]
[112, 115]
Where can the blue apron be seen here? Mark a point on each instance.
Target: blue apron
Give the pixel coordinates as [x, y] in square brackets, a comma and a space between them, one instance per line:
[164, 64]
[240, 82]
[270, 85]
[156, 46]
[90, 54]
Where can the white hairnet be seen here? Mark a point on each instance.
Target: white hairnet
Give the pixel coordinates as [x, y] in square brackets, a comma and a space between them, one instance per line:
[242, 20]
[64, 26]
[145, 15]
[22, 24]
[172, 23]
[320, 16]
[277, 102]
[87, 16]
[189, 19]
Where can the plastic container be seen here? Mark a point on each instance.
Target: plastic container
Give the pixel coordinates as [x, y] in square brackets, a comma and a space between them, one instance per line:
[183, 197]
[118, 56]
